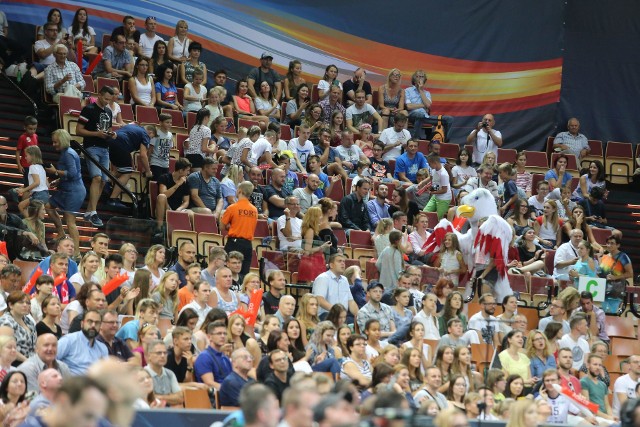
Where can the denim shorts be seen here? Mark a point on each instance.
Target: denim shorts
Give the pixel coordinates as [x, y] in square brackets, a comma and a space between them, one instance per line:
[42, 196]
[102, 156]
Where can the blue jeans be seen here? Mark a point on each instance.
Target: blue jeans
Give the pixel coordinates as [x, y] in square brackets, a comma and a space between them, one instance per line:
[102, 156]
[328, 365]
[419, 117]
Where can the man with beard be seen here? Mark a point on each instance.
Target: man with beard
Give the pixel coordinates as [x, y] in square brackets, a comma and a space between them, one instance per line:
[594, 389]
[484, 321]
[79, 350]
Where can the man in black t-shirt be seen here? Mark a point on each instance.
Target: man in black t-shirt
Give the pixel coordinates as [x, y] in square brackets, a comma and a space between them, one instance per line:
[264, 73]
[275, 194]
[257, 198]
[173, 191]
[94, 126]
[350, 86]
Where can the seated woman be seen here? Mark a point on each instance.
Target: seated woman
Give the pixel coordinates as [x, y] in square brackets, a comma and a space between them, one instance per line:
[327, 223]
[400, 202]
[457, 392]
[548, 226]
[81, 30]
[313, 118]
[17, 318]
[390, 98]
[524, 179]
[160, 57]
[293, 80]
[186, 69]
[51, 310]
[166, 91]
[412, 359]
[141, 86]
[578, 220]
[266, 103]
[271, 323]
[595, 177]
[586, 264]
[199, 138]
[521, 218]
[540, 353]
[531, 255]
[278, 340]
[514, 361]
[296, 106]
[381, 235]
[356, 367]
[238, 338]
[558, 177]
[87, 269]
[244, 106]
[77, 306]
[44, 288]
[146, 336]
[564, 203]
[329, 79]
[325, 355]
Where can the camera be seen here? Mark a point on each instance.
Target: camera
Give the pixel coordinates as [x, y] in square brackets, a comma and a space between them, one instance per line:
[485, 124]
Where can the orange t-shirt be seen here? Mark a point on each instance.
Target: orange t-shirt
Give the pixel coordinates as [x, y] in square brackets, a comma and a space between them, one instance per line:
[185, 296]
[243, 218]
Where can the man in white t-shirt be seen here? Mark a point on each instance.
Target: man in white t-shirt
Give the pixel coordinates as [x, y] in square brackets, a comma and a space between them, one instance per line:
[262, 148]
[396, 137]
[573, 340]
[561, 406]
[149, 37]
[625, 386]
[302, 148]
[484, 322]
[484, 139]
[361, 112]
[567, 255]
[289, 225]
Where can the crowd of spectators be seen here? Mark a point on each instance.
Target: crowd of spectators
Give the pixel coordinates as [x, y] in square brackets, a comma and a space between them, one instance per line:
[347, 348]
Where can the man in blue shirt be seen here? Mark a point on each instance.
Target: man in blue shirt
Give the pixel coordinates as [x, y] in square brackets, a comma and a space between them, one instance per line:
[378, 208]
[206, 195]
[408, 164]
[242, 362]
[212, 365]
[129, 139]
[79, 350]
[65, 246]
[418, 101]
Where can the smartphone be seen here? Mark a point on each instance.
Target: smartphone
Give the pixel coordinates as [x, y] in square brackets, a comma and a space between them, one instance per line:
[404, 228]
[327, 238]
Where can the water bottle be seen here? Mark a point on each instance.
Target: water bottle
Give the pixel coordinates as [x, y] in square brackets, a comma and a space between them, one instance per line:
[19, 76]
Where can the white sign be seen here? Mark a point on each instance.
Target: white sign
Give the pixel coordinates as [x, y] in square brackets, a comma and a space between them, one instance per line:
[595, 285]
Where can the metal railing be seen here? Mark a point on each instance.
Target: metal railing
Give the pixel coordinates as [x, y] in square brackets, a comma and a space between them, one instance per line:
[22, 93]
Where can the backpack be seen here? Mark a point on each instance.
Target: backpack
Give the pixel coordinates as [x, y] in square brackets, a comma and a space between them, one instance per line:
[437, 131]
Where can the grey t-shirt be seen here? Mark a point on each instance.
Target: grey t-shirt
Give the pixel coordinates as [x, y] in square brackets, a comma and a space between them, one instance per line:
[209, 192]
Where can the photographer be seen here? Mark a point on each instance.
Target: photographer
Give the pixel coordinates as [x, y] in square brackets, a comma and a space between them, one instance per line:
[484, 139]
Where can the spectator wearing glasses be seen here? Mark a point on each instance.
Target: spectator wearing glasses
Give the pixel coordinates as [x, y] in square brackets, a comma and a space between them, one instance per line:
[418, 100]
[165, 384]
[46, 48]
[484, 322]
[557, 313]
[242, 363]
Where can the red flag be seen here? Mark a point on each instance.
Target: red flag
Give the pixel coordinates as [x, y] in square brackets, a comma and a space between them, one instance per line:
[79, 52]
[32, 282]
[94, 63]
[114, 283]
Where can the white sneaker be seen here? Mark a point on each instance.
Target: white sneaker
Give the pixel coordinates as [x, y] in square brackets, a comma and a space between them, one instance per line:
[12, 71]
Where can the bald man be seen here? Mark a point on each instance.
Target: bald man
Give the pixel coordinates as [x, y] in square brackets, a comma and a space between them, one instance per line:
[44, 358]
[49, 382]
[286, 307]
[306, 195]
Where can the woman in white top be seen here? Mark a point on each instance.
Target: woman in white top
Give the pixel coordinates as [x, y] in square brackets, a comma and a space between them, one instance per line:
[44, 288]
[141, 85]
[77, 306]
[129, 255]
[356, 366]
[179, 44]
[153, 262]
[80, 29]
[416, 340]
[195, 93]
[89, 264]
[329, 79]
[198, 146]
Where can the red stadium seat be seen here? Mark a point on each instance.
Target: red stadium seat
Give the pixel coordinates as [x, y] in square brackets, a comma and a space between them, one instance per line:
[537, 162]
[89, 84]
[179, 228]
[147, 115]
[127, 112]
[507, 155]
[176, 117]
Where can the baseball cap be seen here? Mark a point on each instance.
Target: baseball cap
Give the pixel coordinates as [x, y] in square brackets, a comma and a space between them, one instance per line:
[266, 55]
[374, 284]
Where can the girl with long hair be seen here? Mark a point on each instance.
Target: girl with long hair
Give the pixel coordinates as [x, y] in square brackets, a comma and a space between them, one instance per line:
[415, 339]
[271, 323]
[452, 263]
[515, 387]
[146, 336]
[293, 330]
[521, 218]
[595, 177]
[444, 361]
[312, 263]
[129, 255]
[44, 288]
[238, 338]
[297, 106]
[178, 48]
[496, 381]
[366, 140]
[452, 310]
[329, 214]
[38, 188]
[244, 106]
[33, 219]
[586, 264]
[141, 86]
[195, 93]
[250, 283]
[524, 179]
[80, 29]
[342, 335]
[462, 366]
[391, 97]
[531, 255]
[159, 57]
[402, 316]
[578, 220]
[372, 332]
[329, 80]
[266, 103]
[293, 80]
[229, 185]
[308, 316]
[412, 359]
[381, 234]
[462, 171]
[167, 295]
[523, 414]
[145, 383]
[540, 353]
[199, 145]
[403, 380]
[218, 128]
[400, 202]
[442, 289]
[153, 261]
[548, 227]
[390, 354]
[143, 280]
[457, 391]
[336, 126]
[553, 332]
[337, 315]
[166, 91]
[325, 354]
[55, 16]
[313, 118]
[513, 359]
[51, 310]
[558, 177]
[77, 306]
[87, 269]
[216, 96]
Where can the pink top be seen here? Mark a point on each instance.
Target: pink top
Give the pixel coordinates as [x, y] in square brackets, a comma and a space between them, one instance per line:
[523, 180]
[244, 104]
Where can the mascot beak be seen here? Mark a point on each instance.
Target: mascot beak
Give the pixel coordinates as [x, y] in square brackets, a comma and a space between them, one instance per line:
[466, 211]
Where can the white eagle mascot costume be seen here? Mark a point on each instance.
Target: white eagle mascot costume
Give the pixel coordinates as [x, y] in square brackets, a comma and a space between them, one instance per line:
[492, 239]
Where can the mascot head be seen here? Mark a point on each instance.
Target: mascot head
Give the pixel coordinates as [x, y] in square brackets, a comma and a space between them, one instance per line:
[476, 205]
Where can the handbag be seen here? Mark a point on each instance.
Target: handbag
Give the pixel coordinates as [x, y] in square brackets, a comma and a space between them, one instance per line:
[311, 266]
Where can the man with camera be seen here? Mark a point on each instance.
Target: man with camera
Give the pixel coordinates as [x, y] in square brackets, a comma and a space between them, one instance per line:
[484, 139]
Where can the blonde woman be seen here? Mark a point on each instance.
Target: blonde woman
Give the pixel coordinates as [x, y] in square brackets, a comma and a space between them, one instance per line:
[87, 269]
[313, 262]
[167, 295]
[153, 262]
[178, 49]
[129, 255]
[391, 97]
[540, 353]
[308, 316]
[146, 336]
[238, 338]
[216, 95]
[250, 283]
[381, 235]
[229, 185]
